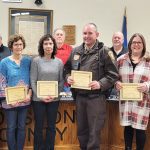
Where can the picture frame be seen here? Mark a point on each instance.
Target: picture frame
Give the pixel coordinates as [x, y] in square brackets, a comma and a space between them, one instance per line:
[81, 79]
[32, 24]
[70, 34]
[12, 1]
[47, 88]
[15, 94]
[129, 92]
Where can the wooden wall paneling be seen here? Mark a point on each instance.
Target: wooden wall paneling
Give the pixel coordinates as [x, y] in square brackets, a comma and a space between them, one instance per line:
[66, 135]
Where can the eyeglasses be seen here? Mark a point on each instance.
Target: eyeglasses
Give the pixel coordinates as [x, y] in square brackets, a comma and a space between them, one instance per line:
[18, 44]
[138, 43]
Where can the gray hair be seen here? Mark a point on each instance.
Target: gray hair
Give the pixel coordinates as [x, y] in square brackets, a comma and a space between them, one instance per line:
[92, 24]
[57, 30]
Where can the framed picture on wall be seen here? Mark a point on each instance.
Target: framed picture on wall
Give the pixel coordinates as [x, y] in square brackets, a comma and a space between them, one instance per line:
[12, 1]
[70, 31]
[32, 24]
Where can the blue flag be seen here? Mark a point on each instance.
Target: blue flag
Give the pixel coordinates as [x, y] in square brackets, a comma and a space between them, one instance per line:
[124, 29]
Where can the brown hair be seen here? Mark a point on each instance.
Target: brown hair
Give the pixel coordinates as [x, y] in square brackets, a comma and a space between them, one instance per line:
[40, 46]
[15, 38]
[143, 41]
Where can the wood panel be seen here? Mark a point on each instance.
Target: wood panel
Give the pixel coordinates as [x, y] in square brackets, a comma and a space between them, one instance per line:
[65, 130]
[66, 134]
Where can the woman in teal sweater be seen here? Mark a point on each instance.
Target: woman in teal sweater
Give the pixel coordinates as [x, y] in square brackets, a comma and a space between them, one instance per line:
[15, 71]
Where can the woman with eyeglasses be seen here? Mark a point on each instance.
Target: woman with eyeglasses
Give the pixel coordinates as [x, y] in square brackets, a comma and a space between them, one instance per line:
[134, 67]
[15, 71]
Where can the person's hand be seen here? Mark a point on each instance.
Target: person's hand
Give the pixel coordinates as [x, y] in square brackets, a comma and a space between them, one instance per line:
[70, 80]
[48, 99]
[28, 96]
[27, 99]
[142, 87]
[95, 85]
[14, 104]
[118, 85]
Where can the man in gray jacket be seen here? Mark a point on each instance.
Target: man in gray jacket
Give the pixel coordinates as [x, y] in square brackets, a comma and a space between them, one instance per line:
[91, 56]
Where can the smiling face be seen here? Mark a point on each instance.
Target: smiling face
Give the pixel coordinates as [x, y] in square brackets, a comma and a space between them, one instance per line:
[117, 39]
[59, 36]
[90, 35]
[17, 47]
[48, 46]
[137, 46]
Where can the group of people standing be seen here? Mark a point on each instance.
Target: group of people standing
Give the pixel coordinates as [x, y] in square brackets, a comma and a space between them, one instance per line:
[18, 69]
[55, 60]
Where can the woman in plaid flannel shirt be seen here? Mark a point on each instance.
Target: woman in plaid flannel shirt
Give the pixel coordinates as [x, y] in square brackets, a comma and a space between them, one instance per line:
[134, 67]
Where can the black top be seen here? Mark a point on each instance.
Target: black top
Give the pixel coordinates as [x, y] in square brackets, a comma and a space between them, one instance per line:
[4, 52]
[133, 64]
[123, 51]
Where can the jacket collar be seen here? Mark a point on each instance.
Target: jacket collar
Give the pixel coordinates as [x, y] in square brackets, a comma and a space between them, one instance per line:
[81, 49]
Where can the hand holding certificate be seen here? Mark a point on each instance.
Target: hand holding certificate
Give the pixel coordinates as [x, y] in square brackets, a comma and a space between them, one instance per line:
[47, 88]
[15, 94]
[81, 79]
[129, 92]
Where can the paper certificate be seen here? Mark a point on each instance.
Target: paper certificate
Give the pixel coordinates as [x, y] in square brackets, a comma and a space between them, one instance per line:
[82, 79]
[15, 94]
[130, 92]
[47, 88]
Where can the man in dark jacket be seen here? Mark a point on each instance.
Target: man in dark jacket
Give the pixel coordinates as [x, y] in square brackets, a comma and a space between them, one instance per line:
[94, 57]
[4, 51]
[118, 49]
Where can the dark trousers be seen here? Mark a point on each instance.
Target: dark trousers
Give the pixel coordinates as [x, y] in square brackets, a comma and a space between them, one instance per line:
[42, 110]
[128, 137]
[1, 99]
[91, 112]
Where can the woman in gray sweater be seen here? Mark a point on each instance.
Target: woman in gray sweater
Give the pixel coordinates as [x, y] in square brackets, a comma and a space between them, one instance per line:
[45, 67]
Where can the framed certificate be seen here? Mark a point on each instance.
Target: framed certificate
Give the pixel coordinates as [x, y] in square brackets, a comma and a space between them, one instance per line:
[129, 92]
[47, 88]
[28, 21]
[15, 94]
[82, 79]
[12, 1]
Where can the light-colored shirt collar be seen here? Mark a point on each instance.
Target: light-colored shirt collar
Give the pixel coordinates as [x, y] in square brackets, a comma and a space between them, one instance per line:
[88, 48]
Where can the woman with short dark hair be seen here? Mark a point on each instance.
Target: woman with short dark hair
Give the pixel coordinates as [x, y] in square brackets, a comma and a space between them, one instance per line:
[46, 67]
